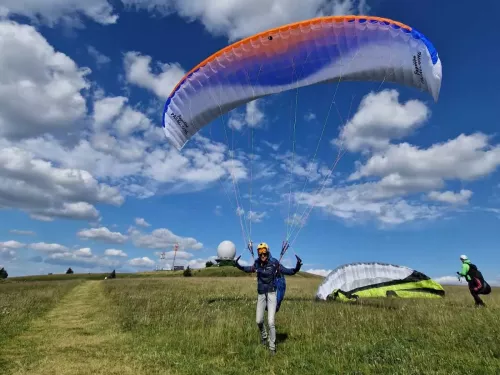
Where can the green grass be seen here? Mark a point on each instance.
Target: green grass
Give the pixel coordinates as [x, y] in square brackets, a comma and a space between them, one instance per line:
[203, 272]
[20, 303]
[206, 325]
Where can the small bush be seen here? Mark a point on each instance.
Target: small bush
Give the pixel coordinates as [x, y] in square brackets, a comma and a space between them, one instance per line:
[69, 271]
[3, 273]
[187, 272]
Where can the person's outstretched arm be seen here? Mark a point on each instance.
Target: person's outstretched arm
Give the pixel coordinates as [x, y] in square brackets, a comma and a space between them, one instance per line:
[291, 271]
[248, 269]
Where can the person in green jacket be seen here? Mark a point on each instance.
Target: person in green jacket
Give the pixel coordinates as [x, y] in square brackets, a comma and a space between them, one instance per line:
[476, 281]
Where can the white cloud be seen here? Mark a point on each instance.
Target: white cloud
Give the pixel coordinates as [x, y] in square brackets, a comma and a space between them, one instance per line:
[8, 249]
[115, 253]
[46, 191]
[302, 167]
[381, 118]
[39, 87]
[366, 201]
[253, 117]
[466, 157]
[240, 18]
[449, 280]
[143, 262]
[82, 258]
[163, 238]
[320, 272]
[48, 247]
[139, 72]
[197, 167]
[107, 109]
[141, 222]
[462, 197]
[102, 234]
[67, 11]
[120, 147]
[256, 217]
[7, 254]
[218, 210]
[22, 232]
[310, 116]
[169, 255]
[296, 219]
[274, 146]
[131, 121]
[406, 170]
[200, 263]
[83, 252]
[11, 245]
[98, 56]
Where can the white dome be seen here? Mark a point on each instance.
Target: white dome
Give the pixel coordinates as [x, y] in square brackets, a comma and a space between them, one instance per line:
[226, 250]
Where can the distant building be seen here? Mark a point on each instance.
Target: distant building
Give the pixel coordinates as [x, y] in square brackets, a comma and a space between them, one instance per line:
[178, 268]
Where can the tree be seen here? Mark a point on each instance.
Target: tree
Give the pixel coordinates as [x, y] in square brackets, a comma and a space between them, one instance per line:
[69, 271]
[3, 273]
[209, 264]
[187, 272]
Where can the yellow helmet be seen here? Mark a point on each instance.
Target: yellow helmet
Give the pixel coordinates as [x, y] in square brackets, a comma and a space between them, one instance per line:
[262, 246]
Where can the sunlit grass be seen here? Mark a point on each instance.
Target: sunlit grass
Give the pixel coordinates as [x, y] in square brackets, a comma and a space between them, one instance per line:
[206, 325]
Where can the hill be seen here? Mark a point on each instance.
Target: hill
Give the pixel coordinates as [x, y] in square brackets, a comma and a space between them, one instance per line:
[202, 272]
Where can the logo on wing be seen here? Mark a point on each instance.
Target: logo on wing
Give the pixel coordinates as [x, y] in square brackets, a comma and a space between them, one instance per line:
[417, 65]
[181, 122]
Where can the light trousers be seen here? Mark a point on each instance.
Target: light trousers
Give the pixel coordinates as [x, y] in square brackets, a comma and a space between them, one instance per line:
[268, 299]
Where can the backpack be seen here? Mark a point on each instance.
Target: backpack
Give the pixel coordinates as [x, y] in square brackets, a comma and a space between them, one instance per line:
[474, 273]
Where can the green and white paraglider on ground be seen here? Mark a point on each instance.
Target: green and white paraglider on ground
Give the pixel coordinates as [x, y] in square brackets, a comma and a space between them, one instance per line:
[372, 279]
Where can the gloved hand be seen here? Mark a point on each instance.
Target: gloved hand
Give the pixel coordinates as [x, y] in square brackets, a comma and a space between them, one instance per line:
[235, 262]
[299, 261]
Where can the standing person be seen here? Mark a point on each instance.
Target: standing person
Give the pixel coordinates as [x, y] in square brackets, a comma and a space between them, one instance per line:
[474, 277]
[267, 269]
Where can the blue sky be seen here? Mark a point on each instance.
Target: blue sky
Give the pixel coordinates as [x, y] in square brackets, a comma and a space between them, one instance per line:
[86, 169]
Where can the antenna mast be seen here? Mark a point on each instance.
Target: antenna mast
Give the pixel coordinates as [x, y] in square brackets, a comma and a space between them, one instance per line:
[176, 247]
[162, 257]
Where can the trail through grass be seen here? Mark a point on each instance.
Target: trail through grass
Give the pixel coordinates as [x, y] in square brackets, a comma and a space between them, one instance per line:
[76, 337]
[20, 303]
[203, 325]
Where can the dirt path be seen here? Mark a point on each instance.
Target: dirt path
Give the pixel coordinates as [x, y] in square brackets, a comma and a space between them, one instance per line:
[78, 336]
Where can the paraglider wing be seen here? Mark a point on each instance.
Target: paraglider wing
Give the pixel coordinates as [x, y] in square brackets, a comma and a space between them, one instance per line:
[326, 49]
[372, 279]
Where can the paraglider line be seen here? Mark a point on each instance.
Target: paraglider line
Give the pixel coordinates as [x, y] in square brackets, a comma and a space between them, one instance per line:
[297, 223]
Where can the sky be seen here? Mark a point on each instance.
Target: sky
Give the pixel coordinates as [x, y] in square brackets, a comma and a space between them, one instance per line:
[88, 180]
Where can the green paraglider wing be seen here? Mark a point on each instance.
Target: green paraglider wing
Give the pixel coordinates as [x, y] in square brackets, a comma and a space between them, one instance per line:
[372, 279]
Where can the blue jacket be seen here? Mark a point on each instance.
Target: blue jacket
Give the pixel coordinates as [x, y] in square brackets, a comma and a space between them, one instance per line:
[267, 272]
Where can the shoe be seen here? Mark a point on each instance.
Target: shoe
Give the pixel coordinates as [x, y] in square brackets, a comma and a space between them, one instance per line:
[263, 341]
[272, 351]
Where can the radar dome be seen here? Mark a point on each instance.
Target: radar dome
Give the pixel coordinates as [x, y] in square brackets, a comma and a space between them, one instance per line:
[226, 250]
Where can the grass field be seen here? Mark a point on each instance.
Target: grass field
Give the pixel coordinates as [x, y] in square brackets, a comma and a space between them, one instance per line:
[206, 325]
